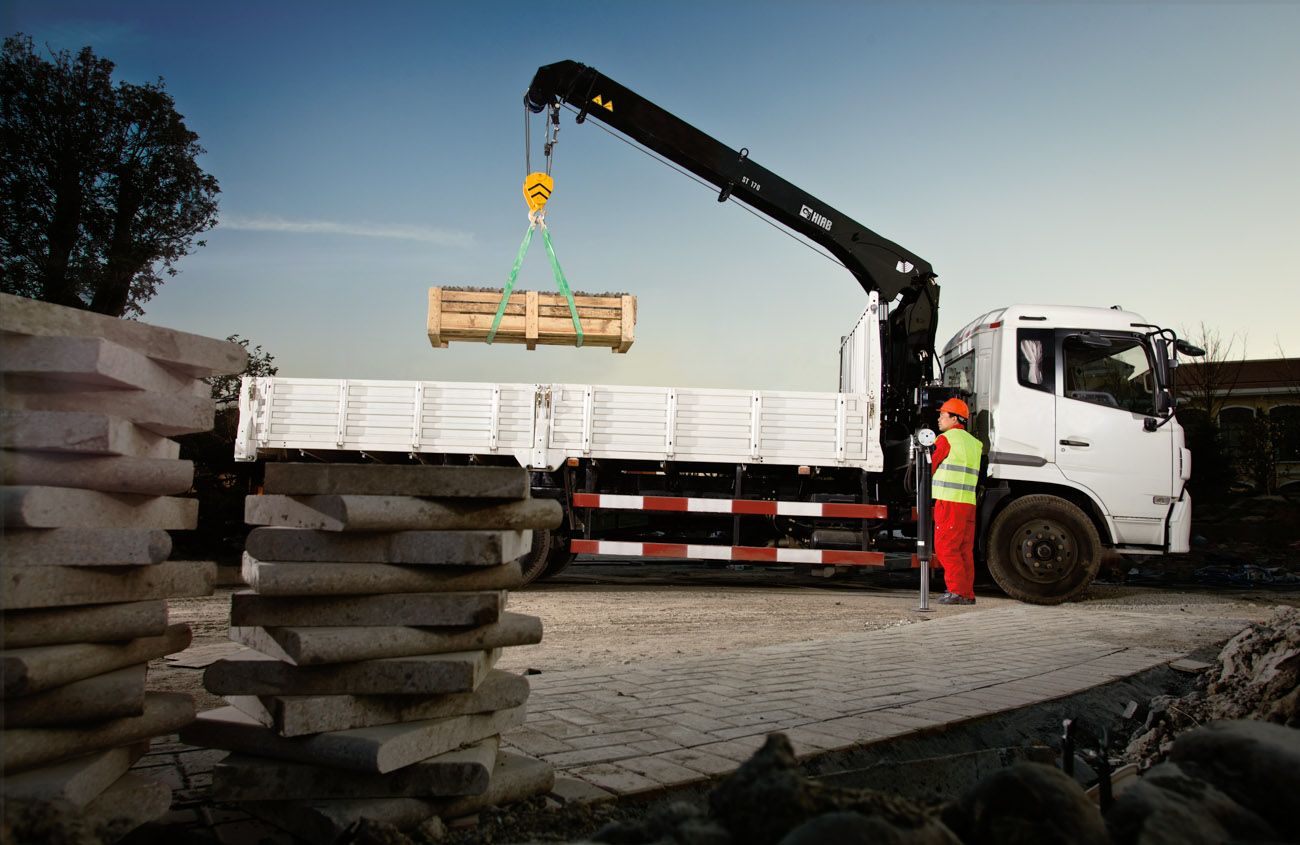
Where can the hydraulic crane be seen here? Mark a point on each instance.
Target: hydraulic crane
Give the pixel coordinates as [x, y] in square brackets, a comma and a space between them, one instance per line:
[903, 278]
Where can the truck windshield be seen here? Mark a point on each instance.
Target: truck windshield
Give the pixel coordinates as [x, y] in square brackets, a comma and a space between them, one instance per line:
[1118, 376]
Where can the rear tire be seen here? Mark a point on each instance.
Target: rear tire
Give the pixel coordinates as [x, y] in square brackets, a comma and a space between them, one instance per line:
[1043, 550]
[559, 558]
[534, 561]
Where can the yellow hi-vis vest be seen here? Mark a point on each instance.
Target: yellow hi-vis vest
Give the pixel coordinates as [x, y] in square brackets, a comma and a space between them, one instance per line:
[955, 479]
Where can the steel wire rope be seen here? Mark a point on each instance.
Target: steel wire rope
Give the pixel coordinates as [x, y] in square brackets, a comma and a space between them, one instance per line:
[777, 226]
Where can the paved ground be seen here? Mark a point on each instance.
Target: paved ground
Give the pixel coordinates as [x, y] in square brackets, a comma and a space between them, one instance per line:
[642, 727]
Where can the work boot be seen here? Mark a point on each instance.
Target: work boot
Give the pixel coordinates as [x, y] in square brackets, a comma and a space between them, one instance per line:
[953, 598]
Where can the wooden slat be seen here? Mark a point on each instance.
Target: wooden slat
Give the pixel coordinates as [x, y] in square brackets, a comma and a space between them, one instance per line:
[530, 319]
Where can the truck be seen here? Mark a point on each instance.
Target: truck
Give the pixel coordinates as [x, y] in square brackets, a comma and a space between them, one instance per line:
[1084, 453]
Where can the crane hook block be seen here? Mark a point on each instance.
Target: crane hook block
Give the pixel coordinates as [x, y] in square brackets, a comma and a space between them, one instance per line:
[537, 190]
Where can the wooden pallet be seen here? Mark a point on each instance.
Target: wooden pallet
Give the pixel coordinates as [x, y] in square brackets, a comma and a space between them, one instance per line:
[531, 318]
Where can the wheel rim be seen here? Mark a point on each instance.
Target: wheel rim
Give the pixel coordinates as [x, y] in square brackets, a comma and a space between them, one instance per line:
[1045, 551]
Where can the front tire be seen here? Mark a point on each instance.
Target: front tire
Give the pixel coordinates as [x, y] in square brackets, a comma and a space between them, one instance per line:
[1043, 550]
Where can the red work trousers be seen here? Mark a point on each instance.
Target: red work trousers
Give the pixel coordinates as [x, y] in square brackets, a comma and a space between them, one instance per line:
[954, 545]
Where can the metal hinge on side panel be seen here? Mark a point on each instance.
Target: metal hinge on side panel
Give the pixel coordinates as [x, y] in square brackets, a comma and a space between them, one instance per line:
[588, 398]
[839, 428]
[419, 415]
[264, 417]
[671, 423]
[495, 424]
[342, 429]
[755, 424]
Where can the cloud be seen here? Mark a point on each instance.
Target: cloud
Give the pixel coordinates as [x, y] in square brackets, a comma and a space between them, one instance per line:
[394, 231]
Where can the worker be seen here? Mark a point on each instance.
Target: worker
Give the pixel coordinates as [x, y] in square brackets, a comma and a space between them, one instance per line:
[956, 467]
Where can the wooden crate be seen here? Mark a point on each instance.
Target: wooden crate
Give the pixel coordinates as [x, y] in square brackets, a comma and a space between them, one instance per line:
[531, 317]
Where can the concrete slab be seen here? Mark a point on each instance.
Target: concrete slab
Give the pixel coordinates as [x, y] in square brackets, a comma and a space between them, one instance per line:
[192, 354]
[81, 433]
[132, 800]
[160, 413]
[367, 480]
[353, 579]
[28, 748]
[377, 749]
[400, 513]
[299, 715]
[465, 548]
[76, 782]
[111, 695]
[515, 778]
[317, 646]
[30, 670]
[65, 507]
[253, 674]
[89, 624]
[465, 771]
[86, 546]
[62, 586]
[443, 609]
[111, 474]
[92, 361]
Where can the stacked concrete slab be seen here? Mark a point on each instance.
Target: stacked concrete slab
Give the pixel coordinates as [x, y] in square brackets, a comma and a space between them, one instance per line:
[90, 490]
[375, 615]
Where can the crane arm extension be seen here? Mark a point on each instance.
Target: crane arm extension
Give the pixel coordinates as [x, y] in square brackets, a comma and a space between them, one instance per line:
[876, 262]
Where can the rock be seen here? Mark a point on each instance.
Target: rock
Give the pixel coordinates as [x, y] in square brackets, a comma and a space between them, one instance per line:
[677, 822]
[431, 674]
[1027, 803]
[81, 433]
[1257, 764]
[102, 697]
[458, 548]
[160, 413]
[354, 579]
[93, 623]
[92, 361]
[86, 546]
[857, 829]
[767, 797]
[107, 474]
[66, 507]
[1167, 806]
[25, 587]
[32, 670]
[469, 609]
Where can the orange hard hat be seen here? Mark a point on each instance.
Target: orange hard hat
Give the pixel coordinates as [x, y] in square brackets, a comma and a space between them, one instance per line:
[956, 407]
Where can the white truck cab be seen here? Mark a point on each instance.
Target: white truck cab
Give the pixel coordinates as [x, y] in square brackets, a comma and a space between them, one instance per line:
[1074, 410]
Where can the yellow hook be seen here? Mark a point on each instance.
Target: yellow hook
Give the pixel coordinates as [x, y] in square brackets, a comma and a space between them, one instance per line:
[537, 190]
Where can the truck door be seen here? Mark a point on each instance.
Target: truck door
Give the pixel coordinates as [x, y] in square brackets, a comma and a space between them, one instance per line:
[1108, 389]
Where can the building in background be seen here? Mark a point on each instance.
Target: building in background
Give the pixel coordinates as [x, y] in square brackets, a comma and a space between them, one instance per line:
[1255, 405]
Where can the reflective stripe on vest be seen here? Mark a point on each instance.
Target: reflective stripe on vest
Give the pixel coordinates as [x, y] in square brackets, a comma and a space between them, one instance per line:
[957, 476]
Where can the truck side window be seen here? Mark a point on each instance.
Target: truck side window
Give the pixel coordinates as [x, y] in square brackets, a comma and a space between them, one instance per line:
[961, 374]
[1117, 376]
[1035, 361]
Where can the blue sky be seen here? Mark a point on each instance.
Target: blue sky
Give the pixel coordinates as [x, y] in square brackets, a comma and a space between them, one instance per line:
[1146, 155]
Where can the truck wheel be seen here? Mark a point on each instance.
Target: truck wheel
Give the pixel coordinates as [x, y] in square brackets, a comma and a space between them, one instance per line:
[559, 558]
[1043, 550]
[533, 563]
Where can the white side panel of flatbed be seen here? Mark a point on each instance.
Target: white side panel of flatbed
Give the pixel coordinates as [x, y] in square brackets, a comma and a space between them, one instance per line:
[542, 425]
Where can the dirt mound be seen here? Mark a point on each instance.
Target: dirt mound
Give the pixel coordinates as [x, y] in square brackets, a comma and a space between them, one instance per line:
[1256, 676]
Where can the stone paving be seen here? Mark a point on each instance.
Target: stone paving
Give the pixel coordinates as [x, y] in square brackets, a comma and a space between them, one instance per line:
[640, 728]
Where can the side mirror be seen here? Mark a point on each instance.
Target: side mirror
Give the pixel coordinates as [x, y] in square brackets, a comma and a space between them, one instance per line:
[1185, 348]
[1150, 424]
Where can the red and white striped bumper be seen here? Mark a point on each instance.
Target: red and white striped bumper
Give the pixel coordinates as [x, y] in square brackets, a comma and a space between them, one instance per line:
[740, 507]
[739, 554]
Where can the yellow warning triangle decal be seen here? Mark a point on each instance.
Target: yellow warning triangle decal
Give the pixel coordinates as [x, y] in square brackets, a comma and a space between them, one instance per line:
[597, 100]
[609, 106]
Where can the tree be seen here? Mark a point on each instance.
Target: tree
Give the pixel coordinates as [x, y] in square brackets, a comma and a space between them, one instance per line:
[100, 189]
[1204, 385]
[1208, 382]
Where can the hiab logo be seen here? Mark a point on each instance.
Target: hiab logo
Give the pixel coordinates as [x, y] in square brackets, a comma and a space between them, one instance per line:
[820, 219]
